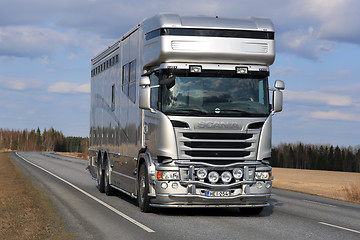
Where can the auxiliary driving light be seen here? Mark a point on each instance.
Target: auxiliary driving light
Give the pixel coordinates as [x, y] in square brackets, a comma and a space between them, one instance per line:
[195, 69]
[241, 70]
[238, 173]
[226, 177]
[201, 173]
[213, 177]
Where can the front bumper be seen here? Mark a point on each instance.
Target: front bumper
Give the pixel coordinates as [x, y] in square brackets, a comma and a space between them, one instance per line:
[191, 192]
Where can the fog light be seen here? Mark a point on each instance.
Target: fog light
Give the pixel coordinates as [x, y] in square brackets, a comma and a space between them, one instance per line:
[213, 177]
[268, 185]
[238, 173]
[174, 185]
[201, 173]
[226, 177]
[259, 185]
[164, 185]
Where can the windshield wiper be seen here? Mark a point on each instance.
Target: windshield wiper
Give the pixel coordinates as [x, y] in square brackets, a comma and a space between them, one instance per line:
[238, 111]
[186, 111]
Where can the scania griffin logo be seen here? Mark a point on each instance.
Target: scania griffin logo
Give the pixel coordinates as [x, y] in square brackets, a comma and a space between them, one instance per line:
[218, 124]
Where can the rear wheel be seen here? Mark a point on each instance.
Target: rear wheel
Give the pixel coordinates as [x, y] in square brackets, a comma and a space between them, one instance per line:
[108, 189]
[100, 178]
[143, 190]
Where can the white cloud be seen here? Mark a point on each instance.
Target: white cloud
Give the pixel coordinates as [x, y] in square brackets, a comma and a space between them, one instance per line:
[335, 115]
[45, 60]
[38, 42]
[19, 83]
[280, 70]
[31, 41]
[352, 88]
[68, 87]
[304, 43]
[339, 75]
[335, 20]
[317, 97]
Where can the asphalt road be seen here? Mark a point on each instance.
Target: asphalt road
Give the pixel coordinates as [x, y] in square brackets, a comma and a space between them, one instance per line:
[92, 215]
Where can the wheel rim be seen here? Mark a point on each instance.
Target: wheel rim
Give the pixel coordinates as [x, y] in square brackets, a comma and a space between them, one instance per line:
[142, 184]
[106, 175]
[99, 172]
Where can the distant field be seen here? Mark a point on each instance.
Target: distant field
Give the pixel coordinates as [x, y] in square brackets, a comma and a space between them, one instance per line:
[338, 185]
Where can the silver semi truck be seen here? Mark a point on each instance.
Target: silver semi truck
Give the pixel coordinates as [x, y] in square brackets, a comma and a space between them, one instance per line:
[180, 113]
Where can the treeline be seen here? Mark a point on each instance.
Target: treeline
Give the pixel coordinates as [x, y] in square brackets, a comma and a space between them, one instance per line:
[316, 157]
[35, 140]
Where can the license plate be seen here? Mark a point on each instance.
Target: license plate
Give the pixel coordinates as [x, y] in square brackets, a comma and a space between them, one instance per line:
[218, 193]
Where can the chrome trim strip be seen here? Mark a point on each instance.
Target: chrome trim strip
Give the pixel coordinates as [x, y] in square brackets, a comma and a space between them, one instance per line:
[123, 175]
[123, 191]
[219, 198]
[218, 166]
[213, 186]
[210, 206]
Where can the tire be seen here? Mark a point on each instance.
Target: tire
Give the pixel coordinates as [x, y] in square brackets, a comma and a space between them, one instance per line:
[143, 190]
[251, 211]
[109, 191]
[100, 178]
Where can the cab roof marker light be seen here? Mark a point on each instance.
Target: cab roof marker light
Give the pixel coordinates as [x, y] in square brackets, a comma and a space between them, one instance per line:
[195, 68]
[241, 70]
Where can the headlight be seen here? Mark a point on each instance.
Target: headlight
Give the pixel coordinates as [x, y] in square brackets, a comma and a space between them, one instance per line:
[258, 175]
[262, 175]
[238, 173]
[213, 177]
[201, 173]
[168, 175]
[226, 177]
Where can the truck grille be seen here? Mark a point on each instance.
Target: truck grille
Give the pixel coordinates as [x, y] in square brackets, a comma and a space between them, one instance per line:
[216, 146]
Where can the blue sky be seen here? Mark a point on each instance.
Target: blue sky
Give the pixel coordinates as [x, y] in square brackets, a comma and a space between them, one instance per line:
[46, 47]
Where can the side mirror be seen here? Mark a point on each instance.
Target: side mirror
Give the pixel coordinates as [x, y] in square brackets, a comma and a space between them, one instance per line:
[144, 81]
[280, 85]
[278, 96]
[277, 101]
[144, 93]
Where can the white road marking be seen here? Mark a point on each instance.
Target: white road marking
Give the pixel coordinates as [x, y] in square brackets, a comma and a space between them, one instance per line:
[339, 227]
[319, 203]
[92, 197]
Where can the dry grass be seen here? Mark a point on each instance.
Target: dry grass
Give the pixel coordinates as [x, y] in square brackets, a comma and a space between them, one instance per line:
[353, 192]
[25, 213]
[337, 185]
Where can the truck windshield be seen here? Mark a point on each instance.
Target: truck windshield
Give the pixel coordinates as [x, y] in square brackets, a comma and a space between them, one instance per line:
[215, 96]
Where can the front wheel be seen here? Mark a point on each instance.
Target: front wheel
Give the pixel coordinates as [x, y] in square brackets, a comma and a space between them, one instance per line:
[143, 190]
